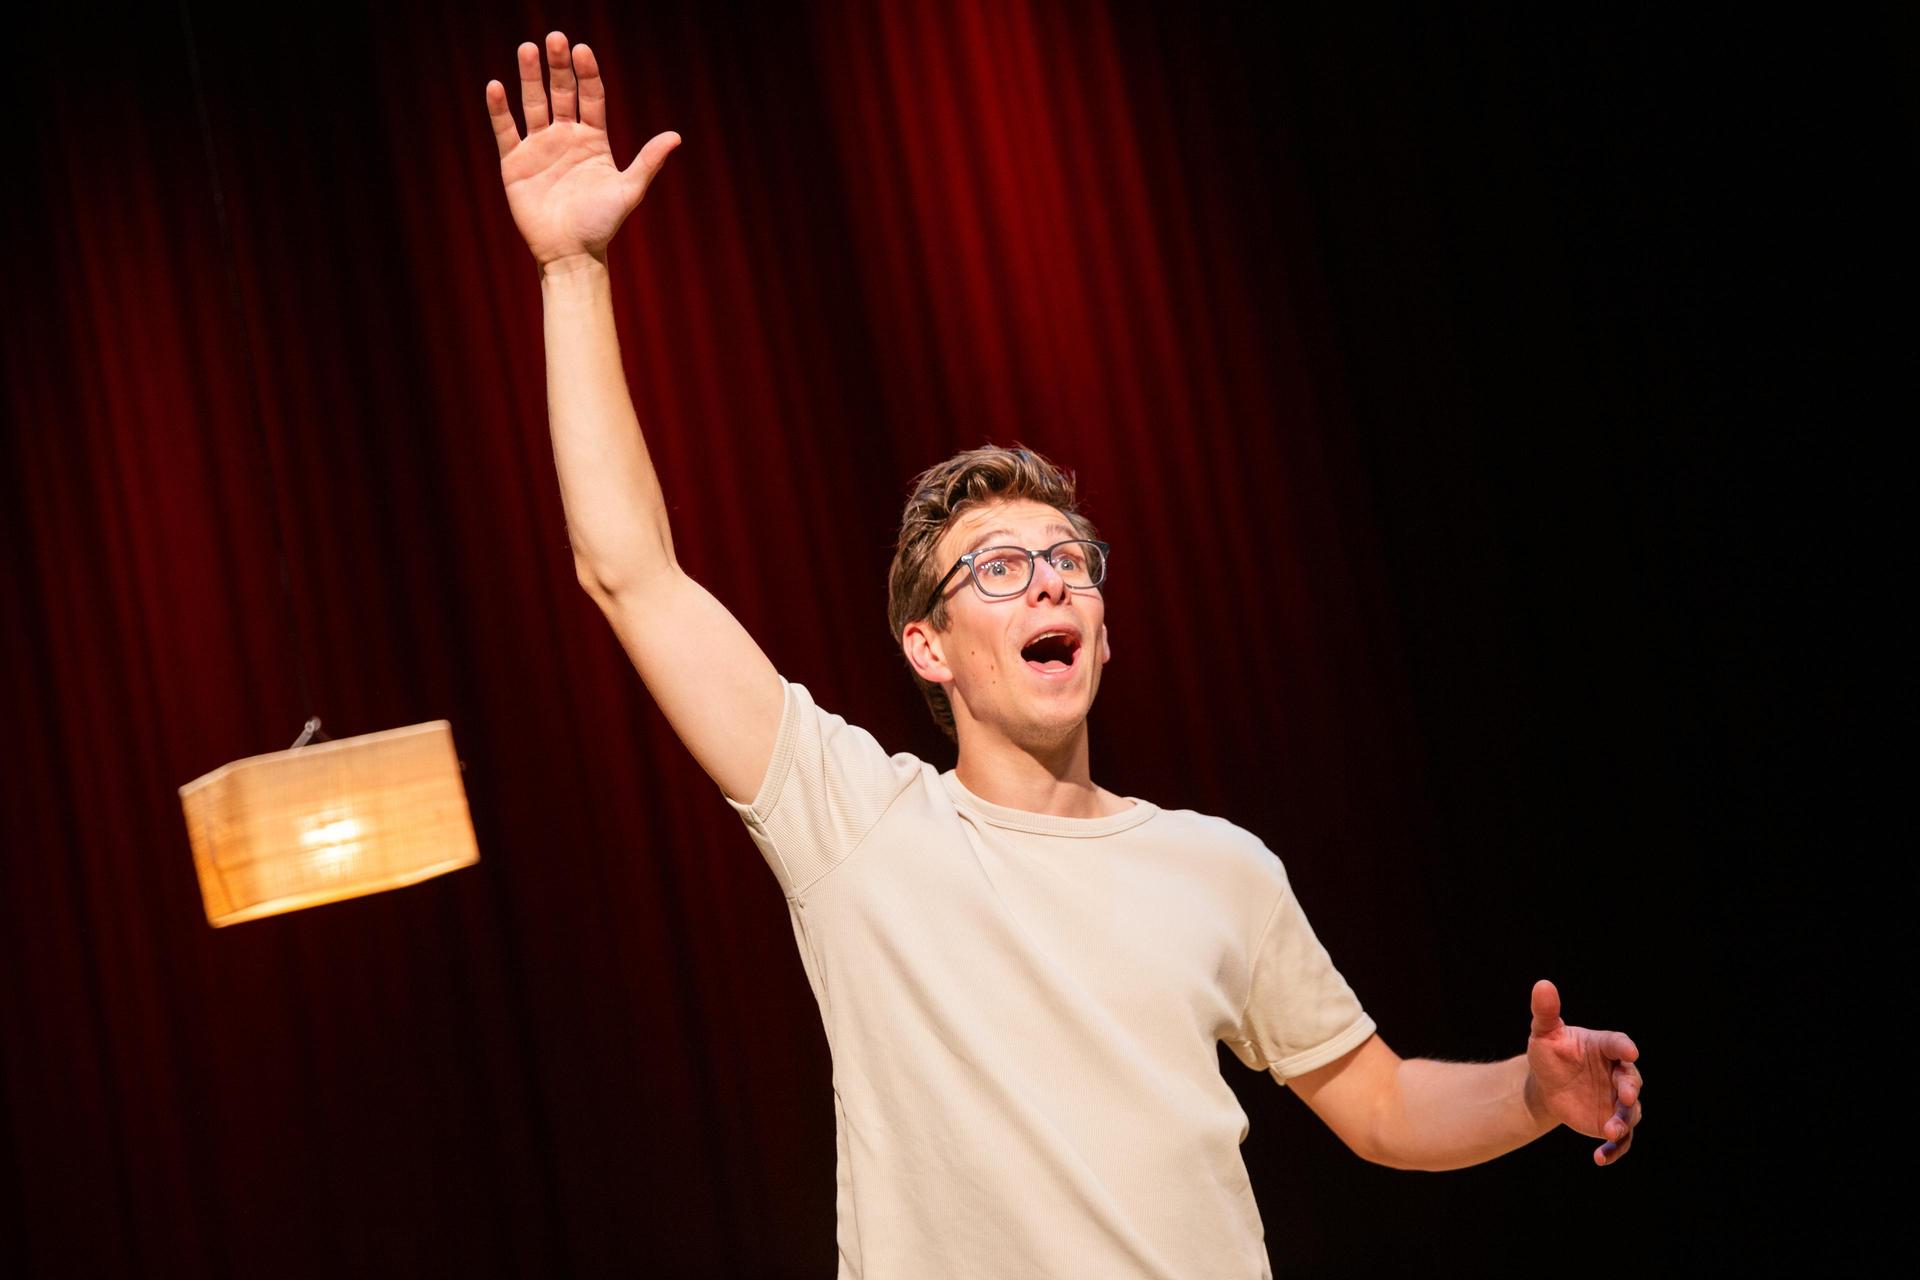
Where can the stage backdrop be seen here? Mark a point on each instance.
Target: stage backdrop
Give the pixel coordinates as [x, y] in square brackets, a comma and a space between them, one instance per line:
[1406, 346]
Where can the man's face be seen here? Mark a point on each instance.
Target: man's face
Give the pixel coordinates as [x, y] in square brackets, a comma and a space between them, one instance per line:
[1038, 698]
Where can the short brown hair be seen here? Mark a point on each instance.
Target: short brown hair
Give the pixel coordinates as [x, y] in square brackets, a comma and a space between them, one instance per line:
[943, 494]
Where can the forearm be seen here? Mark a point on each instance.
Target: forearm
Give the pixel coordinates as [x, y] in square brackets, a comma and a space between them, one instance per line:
[1447, 1115]
[616, 513]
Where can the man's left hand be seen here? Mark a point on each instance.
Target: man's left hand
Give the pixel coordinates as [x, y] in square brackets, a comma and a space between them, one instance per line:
[1583, 1079]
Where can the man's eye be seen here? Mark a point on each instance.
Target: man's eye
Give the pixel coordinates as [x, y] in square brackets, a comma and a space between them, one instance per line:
[996, 568]
[1066, 562]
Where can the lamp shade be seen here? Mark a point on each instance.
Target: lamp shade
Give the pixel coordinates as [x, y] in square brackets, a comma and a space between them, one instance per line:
[333, 820]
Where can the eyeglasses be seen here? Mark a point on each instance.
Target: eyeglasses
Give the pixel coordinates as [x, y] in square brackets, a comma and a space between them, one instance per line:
[1007, 571]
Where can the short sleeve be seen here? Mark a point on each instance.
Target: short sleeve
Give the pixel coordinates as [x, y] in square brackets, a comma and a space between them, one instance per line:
[1300, 1013]
[827, 785]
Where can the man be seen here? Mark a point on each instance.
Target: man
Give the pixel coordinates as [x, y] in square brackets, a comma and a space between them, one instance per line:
[1022, 975]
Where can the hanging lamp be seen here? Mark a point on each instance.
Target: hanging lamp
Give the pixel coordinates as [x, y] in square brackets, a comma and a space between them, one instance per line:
[324, 821]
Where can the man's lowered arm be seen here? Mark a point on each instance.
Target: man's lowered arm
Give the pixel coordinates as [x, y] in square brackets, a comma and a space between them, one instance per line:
[1415, 1113]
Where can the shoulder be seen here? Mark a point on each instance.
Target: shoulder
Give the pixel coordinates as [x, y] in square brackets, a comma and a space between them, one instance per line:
[820, 753]
[1224, 845]
[1205, 827]
[802, 708]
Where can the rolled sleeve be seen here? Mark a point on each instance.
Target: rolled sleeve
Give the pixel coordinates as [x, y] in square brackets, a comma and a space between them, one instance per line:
[1300, 1013]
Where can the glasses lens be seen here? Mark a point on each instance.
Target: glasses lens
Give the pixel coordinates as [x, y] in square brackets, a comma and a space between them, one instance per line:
[1002, 571]
[1080, 563]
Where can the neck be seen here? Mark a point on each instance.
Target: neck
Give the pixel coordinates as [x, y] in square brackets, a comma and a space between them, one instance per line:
[1053, 780]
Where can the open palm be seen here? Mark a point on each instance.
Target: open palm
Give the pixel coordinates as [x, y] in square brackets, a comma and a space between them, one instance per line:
[567, 196]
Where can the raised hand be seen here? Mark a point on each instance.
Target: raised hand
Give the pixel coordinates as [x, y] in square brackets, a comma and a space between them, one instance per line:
[1583, 1079]
[567, 195]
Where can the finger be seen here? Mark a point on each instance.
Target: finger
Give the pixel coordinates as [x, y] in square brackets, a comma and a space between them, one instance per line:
[560, 66]
[1626, 1082]
[1618, 1045]
[505, 134]
[1622, 1137]
[640, 173]
[1546, 1008]
[533, 94]
[593, 94]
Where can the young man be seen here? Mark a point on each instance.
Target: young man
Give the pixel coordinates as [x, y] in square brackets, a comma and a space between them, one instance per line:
[1022, 975]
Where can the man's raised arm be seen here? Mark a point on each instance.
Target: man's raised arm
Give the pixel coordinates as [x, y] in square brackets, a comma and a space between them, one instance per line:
[718, 690]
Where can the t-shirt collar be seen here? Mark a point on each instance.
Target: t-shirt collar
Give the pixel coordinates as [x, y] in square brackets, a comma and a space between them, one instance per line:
[1045, 823]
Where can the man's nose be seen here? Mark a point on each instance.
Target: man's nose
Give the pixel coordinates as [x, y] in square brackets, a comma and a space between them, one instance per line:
[1047, 584]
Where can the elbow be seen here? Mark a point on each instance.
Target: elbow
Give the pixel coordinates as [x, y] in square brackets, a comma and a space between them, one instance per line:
[590, 580]
[1390, 1160]
[638, 562]
[595, 584]
[1412, 1155]
[1369, 1147]
[605, 585]
[1384, 1137]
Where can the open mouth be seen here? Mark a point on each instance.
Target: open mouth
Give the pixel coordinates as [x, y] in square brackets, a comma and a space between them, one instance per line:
[1053, 653]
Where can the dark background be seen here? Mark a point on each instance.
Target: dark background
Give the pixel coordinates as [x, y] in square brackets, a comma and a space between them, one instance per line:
[1512, 391]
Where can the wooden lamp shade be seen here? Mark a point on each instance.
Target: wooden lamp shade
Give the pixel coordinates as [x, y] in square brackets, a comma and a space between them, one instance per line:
[334, 820]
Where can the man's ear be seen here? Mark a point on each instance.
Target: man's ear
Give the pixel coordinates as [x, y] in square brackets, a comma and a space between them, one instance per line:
[1106, 650]
[923, 647]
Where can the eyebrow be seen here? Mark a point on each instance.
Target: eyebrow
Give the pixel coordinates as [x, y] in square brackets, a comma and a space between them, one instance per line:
[979, 540]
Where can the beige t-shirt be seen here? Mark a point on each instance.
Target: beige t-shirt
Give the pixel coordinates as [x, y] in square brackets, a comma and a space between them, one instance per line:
[1022, 1011]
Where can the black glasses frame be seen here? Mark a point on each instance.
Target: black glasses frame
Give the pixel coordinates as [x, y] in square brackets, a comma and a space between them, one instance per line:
[966, 562]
